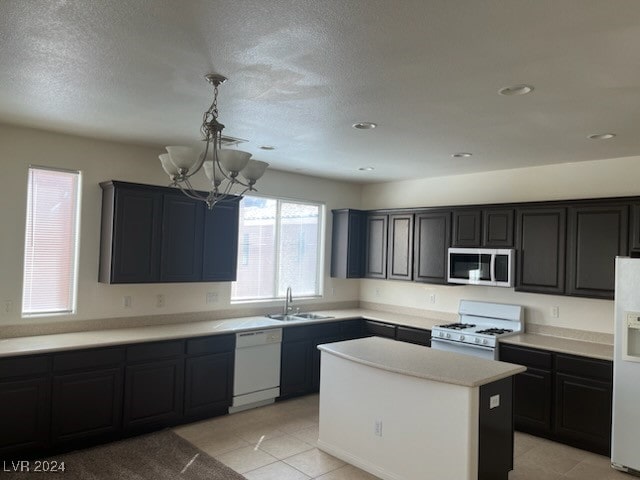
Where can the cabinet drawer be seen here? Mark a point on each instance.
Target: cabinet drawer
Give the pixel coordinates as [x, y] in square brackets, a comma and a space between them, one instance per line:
[214, 344]
[294, 334]
[414, 335]
[20, 366]
[155, 350]
[585, 367]
[84, 359]
[526, 356]
[381, 329]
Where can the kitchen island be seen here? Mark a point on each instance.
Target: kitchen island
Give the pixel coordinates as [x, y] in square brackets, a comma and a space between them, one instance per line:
[402, 411]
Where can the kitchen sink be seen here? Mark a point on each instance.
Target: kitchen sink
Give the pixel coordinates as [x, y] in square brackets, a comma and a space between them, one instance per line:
[296, 317]
[311, 316]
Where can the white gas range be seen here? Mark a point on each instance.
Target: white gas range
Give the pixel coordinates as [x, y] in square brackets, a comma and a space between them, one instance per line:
[480, 326]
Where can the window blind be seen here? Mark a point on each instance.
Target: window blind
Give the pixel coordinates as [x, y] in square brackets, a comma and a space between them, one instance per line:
[51, 242]
[279, 244]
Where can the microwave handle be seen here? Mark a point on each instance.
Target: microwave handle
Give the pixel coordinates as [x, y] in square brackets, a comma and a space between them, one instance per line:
[492, 267]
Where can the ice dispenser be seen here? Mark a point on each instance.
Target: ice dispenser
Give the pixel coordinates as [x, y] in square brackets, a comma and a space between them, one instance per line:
[631, 342]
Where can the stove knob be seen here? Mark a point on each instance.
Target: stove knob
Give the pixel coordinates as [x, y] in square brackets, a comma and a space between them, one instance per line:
[461, 338]
[442, 334]
[477, 340]
[448, 335]
[485, 341]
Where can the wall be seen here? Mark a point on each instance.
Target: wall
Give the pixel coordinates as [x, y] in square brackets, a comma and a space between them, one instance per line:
[100, 161]
[602, 178]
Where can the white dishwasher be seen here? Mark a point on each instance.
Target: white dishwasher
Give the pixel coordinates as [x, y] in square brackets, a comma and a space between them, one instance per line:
[256, 379]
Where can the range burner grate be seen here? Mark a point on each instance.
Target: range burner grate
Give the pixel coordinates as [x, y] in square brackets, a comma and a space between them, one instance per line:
[457, 326]
[494, 331]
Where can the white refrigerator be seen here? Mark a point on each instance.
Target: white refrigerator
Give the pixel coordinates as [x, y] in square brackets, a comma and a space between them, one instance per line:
[625, 442]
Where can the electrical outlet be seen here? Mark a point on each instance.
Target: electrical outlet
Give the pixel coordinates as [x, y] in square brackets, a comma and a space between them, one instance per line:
[377, 292]
[127, 301]
[377, 428]
[555, 311]
[432, 298]
[333, 291]
[160, 300]
[8, 306]
[212, 297]
[494, 401]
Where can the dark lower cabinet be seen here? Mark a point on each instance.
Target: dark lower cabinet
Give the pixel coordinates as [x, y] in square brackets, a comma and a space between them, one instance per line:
[563, 397]
[583, 399]
[86, 398]
[296, 368]
[208, 385]
[87, 404]
[208, 376]
[413, 335]
[380, 329]
[154, 385]
[24, 415]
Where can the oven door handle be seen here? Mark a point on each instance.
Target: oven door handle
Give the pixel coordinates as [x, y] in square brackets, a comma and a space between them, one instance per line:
[453, 342]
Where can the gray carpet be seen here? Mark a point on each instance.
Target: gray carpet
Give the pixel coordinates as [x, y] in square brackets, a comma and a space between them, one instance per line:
[157, 456]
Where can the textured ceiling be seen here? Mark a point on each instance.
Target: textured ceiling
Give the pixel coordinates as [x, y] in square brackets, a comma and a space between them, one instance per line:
[302, 72]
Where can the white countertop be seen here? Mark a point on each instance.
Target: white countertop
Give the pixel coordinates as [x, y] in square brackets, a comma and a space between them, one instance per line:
[118, 336]
[417, 361]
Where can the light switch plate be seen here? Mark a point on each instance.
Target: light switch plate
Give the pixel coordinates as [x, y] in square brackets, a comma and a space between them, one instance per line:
[494, 401]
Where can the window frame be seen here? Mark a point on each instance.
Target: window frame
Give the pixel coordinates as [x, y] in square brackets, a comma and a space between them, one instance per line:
[320, 258]
[76, 247]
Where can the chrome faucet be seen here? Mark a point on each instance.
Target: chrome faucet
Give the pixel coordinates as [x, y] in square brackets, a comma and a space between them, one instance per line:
[288, 302]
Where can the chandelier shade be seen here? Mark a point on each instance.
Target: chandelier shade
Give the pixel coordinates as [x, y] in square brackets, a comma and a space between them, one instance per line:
[222, 166]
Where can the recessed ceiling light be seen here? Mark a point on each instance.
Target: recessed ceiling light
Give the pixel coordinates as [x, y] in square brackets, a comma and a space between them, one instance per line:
[364, 125]
[267, 147]
[516, 90]
[461, 155]
[366, 169]
[602, 136]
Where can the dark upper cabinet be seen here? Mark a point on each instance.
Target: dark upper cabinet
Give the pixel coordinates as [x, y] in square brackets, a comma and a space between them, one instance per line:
[432, 238]
[634, 228]
[348, 243]
[182, 236]
[87, 394]
[131, 229]
[400, 247]
[376, 246]
[497, 228]
[467, 229]
[25, 390]
[540, 240]
[156, 234]
[491, 228]
[595, 236]
[220, 249]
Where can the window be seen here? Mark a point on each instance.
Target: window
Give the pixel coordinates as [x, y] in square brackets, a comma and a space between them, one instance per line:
[281, 244]
[51, 242]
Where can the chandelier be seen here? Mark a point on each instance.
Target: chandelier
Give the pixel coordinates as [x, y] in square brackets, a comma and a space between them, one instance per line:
[222, 166]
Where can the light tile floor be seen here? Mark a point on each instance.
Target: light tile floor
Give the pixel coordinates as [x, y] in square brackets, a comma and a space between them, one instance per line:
[278, 442]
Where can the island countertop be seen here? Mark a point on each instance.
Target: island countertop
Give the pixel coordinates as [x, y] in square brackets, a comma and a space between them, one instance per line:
[417, 361]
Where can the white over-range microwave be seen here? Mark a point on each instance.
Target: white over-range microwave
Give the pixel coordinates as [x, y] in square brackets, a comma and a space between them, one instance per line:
[481, 266]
